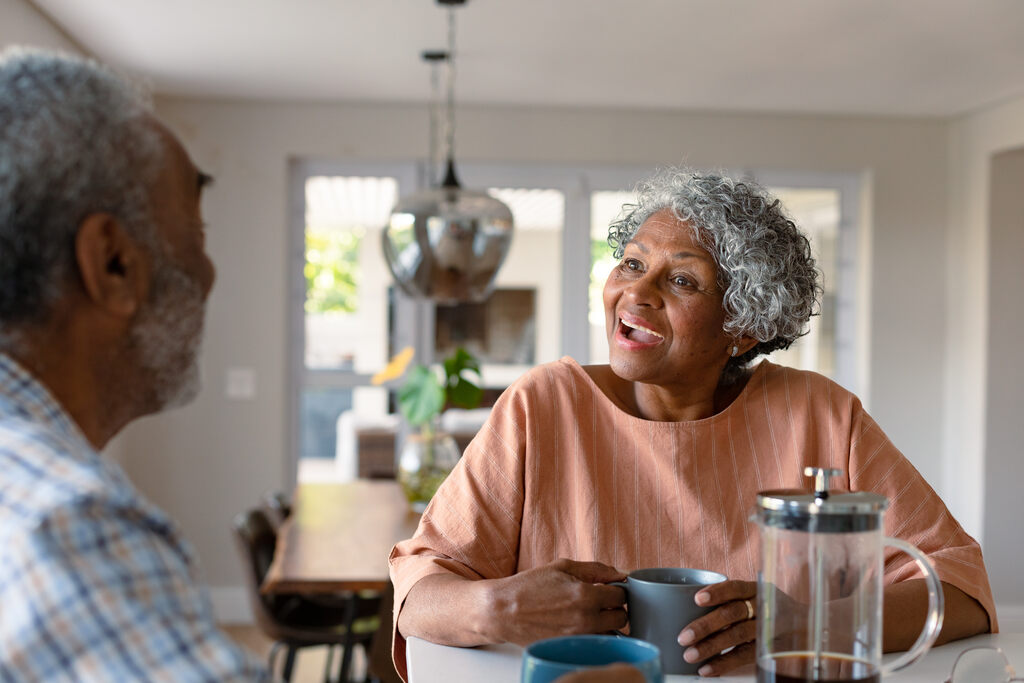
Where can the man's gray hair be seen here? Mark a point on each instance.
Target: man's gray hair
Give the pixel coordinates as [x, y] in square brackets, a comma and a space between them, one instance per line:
[74, 140]
[765, 268]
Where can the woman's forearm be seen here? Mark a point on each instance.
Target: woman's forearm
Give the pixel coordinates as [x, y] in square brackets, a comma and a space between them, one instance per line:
[446, 609]
[558, 598]
[905, 608]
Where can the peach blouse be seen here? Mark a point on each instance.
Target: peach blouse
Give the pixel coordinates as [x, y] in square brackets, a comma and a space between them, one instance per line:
[559, 471]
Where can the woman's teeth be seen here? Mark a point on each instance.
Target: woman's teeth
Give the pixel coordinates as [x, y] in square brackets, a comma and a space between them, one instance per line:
[641, 328]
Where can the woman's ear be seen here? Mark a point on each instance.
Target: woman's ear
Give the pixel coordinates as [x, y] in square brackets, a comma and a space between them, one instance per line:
[112, 265]
[742, 345]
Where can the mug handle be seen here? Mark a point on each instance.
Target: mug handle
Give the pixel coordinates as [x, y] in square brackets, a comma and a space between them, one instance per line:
[936, 608]
[625, 587]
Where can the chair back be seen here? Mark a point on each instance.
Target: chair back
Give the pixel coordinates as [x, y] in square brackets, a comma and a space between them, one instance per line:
[278, 507]
[256, 539]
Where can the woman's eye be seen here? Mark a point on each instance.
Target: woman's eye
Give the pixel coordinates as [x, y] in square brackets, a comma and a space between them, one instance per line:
[631, 264]
[682, 281]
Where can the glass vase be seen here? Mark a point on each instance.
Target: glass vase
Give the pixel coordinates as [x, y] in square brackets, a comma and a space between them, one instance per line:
[427, 456]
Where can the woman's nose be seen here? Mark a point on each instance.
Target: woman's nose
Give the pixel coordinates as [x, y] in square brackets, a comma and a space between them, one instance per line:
[644, 291]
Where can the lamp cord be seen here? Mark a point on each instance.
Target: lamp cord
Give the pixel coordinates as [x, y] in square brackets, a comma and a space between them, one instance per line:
[435, 106]
[450, 132]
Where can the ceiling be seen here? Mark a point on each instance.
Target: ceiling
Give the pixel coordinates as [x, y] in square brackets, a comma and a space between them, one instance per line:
[875, 57]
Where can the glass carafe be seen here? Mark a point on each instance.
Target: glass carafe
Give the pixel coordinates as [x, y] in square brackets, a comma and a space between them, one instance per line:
[819, 590]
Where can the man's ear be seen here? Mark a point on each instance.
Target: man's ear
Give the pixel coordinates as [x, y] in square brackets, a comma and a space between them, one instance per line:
[112, 265]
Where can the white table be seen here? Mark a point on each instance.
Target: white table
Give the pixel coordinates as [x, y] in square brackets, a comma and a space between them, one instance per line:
[430, 663]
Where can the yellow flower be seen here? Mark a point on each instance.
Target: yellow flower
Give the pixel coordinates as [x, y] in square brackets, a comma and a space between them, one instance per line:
[395, 368]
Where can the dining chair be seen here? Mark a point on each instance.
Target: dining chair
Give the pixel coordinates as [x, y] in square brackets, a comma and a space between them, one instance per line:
[278, 507]
[293, 621]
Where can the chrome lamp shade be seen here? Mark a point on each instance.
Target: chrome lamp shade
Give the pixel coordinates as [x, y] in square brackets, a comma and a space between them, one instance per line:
[448, 243]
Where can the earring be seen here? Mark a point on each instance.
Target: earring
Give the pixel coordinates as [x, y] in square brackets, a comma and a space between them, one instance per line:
[735, 350]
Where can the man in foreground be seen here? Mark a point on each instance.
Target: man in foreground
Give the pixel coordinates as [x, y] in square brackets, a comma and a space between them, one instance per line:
[103, 284]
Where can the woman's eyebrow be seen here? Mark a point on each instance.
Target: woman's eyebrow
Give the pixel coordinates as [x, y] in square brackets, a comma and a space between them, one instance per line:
[681, 255]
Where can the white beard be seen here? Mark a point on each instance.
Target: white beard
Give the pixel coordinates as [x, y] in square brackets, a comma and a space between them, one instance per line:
[167, 335]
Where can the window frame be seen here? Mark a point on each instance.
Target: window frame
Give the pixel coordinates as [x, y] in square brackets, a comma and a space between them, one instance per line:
[414, 320]
[409, 177]
[576, 182]
[853, 262]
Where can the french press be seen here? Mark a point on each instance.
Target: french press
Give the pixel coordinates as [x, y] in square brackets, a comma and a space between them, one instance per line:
[819, 590]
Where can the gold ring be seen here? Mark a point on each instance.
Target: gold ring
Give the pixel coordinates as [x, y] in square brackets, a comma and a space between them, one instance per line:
[750, 609]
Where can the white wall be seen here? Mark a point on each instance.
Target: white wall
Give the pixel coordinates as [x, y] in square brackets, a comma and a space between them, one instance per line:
[212, 459]
[1004, 430]
[982, 428]
[23, 24]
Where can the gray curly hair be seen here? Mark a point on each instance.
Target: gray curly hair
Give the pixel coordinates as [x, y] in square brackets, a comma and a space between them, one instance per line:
[765, 268]
[74, 140]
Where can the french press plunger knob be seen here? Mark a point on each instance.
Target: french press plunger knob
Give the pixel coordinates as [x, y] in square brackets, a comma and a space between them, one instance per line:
[821, 476]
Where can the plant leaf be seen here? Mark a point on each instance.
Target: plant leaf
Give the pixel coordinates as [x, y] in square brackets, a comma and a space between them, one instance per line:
[459, 361]
[421, 397]
[465, 394]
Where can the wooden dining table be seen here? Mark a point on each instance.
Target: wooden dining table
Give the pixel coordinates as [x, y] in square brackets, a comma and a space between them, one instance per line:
[338, 537]
[336, 541]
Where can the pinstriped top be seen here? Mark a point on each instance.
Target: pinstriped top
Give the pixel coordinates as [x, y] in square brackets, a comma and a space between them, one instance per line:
[560, 470]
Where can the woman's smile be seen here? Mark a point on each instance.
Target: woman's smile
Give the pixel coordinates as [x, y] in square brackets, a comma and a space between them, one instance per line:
[635, 334]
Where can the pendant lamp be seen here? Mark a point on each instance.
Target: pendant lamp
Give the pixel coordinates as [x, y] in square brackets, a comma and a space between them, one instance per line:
[447, 243]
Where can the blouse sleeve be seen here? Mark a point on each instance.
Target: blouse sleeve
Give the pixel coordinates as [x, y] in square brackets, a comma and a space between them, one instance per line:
[917, 515]
[471, 526]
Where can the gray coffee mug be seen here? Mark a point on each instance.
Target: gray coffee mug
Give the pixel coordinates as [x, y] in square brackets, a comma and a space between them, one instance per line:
[660, 603]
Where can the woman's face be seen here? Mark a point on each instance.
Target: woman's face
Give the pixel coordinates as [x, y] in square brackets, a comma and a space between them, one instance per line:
[663, 308]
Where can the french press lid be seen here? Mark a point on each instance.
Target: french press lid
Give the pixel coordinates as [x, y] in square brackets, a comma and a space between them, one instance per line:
[835, 511]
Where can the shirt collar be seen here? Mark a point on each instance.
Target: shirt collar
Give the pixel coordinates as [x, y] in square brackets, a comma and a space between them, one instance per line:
[23, 395]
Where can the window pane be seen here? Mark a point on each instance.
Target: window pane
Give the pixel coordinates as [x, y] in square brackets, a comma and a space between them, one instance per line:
[520, 324]
[816, 212]
[500, 330]
[320, 408]
[604, 208]
[533, 209]
[346, 302]
[318, 415]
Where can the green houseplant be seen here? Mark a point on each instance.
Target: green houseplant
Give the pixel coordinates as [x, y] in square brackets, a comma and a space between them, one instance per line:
[427, 455]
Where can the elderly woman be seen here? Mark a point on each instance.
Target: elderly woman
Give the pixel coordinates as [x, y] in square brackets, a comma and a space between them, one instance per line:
[584, 473]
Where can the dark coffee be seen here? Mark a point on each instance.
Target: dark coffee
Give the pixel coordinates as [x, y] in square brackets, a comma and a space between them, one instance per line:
[801, 668]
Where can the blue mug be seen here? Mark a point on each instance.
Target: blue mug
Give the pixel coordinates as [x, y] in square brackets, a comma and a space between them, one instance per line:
[546, 660]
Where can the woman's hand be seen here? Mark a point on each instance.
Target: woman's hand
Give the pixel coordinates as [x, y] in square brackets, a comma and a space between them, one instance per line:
[730, 626]
[563, 597]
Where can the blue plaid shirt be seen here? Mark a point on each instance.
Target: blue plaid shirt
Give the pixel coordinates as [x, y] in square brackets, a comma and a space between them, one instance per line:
[95, 582]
